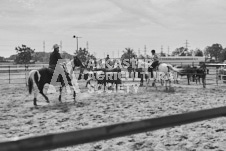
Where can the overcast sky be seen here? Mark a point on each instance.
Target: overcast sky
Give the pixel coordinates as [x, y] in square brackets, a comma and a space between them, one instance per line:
[111, 25]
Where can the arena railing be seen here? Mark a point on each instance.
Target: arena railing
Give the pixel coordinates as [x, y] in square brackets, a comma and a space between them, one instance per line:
[59, 140]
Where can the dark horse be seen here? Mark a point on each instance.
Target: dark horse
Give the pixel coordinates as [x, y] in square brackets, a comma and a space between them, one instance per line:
[44, 75]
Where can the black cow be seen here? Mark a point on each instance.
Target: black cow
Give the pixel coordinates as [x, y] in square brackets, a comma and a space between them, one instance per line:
[194, 73]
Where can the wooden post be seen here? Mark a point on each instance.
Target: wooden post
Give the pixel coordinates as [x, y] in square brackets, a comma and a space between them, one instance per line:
[9, 74]
[26, 74]
[217, 75]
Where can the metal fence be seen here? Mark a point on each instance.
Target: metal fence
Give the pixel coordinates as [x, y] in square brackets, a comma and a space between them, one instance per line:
[17, 74]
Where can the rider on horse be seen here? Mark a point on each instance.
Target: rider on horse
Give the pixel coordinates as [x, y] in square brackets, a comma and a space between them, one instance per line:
[154, 64]
[54, 57]
[54, 63]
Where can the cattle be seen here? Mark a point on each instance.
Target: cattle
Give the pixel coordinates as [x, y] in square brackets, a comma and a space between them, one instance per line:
[193, 73]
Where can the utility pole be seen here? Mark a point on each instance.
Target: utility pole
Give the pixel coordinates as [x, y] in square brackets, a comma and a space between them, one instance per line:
[138, 52]
[168, 50]
[44, 46]
[161, 49]
[77, 40]
[145, 51]
[186, 46]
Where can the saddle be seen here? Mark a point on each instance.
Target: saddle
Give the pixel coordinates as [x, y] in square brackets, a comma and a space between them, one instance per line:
[156, 68]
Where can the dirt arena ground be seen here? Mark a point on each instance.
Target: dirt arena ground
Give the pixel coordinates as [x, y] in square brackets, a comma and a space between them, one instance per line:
[19, 118]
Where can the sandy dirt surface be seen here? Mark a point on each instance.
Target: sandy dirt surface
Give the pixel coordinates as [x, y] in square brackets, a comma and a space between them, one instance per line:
[19, 118]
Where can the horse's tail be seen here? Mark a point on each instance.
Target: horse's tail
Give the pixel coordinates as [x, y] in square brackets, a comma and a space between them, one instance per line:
[174, 69]
[34, 76]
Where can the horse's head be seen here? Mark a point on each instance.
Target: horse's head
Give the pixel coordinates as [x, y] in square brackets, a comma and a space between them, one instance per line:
[78, 62]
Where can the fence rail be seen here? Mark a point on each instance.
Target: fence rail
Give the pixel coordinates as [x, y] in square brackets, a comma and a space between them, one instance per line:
[53, 141]
[8, 73]
[13, 73]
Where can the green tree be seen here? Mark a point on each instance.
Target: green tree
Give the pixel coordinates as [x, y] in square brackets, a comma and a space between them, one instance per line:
[66, 55]
[24, 54]
[162, 54]
[222, 57]
[12, 57]
[84, 54]
[182, 52]
[198, 52]
[128, 53]
[179, 51]
[214, 51]
[207, 51]
[2, 58]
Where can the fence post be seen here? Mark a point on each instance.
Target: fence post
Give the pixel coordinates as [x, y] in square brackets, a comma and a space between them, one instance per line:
[9, 74]
[217, 76]
[25, 74]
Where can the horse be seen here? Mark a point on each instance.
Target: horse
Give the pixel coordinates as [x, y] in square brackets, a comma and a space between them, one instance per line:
[162, 68]
[44, 75]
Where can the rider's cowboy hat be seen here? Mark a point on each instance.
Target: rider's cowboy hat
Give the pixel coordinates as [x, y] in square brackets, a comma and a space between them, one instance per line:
[56, 46]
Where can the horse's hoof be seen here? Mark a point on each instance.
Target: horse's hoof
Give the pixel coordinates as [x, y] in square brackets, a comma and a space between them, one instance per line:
[35, 102]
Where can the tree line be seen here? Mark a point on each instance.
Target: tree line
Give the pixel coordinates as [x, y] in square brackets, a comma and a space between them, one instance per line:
[26, 55]
[215, 51]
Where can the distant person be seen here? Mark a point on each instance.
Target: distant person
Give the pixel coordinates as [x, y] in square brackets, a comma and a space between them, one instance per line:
[154, 64]
[133, 66]
[107, 61]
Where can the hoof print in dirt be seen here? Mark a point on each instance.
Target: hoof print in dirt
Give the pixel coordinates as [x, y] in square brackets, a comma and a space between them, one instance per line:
[79, 104]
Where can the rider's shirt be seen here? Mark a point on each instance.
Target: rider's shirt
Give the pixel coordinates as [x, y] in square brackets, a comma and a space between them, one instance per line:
[53, 59]
[155, 58]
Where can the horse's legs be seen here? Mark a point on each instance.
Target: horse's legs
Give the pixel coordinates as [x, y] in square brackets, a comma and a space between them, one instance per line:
[188, 77]
[147, 83]
[74, 95]
[35, 98]
[88, 82]
[141, 79]
[41, 92]
[47, 99]
[60, 93]
[105, 85]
